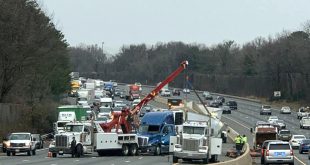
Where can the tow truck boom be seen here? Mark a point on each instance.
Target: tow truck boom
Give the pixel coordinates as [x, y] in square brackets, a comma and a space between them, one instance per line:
[122, 118]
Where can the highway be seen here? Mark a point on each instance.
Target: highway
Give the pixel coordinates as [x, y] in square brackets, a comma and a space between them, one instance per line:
[241, 121]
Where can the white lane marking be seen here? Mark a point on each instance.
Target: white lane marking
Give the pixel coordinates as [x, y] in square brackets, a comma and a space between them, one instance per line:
[93, 157]
[237, 122]
[53, 164]
[299, 160]
[25, 160]
[127, 161]
[141, 158]
[77, 160]
[42, 149]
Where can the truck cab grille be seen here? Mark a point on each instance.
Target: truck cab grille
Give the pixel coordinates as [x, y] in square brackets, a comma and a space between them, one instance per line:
[61, 141]
[190, 144]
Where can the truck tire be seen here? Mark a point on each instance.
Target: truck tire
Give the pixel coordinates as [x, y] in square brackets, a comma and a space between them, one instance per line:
[34, 152]
[205, 161]
[13, 153]
[8, 153]
[29, 153]
[157, 150]
[175, 159]
[79, 151]
[100, 153]
[125, 150]
[54, 155]
[133, 150]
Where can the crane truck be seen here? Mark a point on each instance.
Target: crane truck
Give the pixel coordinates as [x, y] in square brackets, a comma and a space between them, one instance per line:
[107, 136]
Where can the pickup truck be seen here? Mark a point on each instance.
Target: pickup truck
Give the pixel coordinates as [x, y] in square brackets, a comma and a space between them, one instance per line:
[303, 112]
[21, 142]
[305, 122]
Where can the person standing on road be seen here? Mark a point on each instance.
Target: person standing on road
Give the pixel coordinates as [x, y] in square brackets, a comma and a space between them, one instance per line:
[73, 144]
[238, 142]
[244, 139]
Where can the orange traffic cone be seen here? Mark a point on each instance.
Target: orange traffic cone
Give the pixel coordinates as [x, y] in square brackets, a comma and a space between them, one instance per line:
[49, 154]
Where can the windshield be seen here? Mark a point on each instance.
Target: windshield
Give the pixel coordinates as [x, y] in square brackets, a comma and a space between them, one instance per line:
[61, 124]
[82, 99]
[285, 132]
[193, 130]
[74, 128]
[149, 129]
[299, 137]
[266, 107]
[106, 104]
[20, 137]
[104, 109]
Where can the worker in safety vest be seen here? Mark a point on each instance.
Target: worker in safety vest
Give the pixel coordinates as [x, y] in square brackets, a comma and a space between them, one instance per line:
[244, 139]
[238, 142]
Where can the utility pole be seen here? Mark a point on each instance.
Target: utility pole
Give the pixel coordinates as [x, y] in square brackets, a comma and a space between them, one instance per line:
[102, 46]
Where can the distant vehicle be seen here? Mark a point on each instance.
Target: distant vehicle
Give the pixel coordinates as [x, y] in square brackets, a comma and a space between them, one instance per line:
[264, 132]
[38, 142]
[186, 90]
[140, 85]
[232, 104]
[214, 104]
[265, 110]
[165, 92]
[281, 124]
[117, 92]
[284, 135]
[305, 122]
[119, 103]
[135, 102]
[296, 139]
[5, 142]
[176, 92]
[221, 99]
[175, 103]
[273, 119]
[122, 94]
[145, 110]
[226, 109]
[207, 95]
[285, 110]
[304, 146]
[302, 112]
[264, 147]
[276, 152]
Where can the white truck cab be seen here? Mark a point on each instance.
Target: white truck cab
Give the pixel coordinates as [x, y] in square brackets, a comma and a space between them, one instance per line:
[193, 144]
[21, 142]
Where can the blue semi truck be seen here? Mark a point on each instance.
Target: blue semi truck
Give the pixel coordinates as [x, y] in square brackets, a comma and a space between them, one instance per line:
[155, 131]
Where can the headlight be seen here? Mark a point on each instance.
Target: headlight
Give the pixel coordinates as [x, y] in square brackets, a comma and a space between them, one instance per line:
[203, 149]
[27, 144]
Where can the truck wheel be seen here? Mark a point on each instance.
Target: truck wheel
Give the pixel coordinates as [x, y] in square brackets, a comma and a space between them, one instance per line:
[175, 159]
[13, 153]
[29, 153]
[205, 161]
[133, 150]
[157, 150]
[54, 155]
[34, 152]
[125, 150]
[8, 153]
[79, 151]
[100, 153]
[3, 149]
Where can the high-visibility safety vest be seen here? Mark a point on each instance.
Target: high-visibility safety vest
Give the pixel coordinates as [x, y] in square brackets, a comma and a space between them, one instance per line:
[238, 140]
[244, 139]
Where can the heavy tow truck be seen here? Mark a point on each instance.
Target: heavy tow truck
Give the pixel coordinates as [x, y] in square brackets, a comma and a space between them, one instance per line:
[106, 137]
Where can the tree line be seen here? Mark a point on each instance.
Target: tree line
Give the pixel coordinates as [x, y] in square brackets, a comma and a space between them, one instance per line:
[34, 61]
[256, 68]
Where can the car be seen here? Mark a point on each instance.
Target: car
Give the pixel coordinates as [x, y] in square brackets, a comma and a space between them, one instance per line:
[284, 135]
[285, 110]
[214, 104]
[207, 95]
[281, 124]
[226, 110]
[119, 103]
[305, 122]
[273, 119]
[165, 93]
[38, 142]
[140, 85]
[145, 110]
[135, 102]
[117, 92]
[265, 110]
[176, 92]
[303, 112]
[122, 94]
[264, 146]
[5, 142]
[278, 152]
[220, 99]
[304, 146]
[232, 104]
[296, 139]
[186, 90]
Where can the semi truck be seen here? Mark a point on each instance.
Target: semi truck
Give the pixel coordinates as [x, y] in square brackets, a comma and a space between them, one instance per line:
[155, 131]
[68, 113]
[132, 92]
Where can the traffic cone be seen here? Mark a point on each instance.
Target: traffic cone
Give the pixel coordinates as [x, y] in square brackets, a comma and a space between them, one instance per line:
[49, 154]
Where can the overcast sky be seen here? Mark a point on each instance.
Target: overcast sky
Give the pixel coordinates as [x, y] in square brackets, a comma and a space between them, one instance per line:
[124, 22]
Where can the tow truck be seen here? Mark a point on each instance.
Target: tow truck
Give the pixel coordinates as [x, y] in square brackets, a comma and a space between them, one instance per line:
[107, 136]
